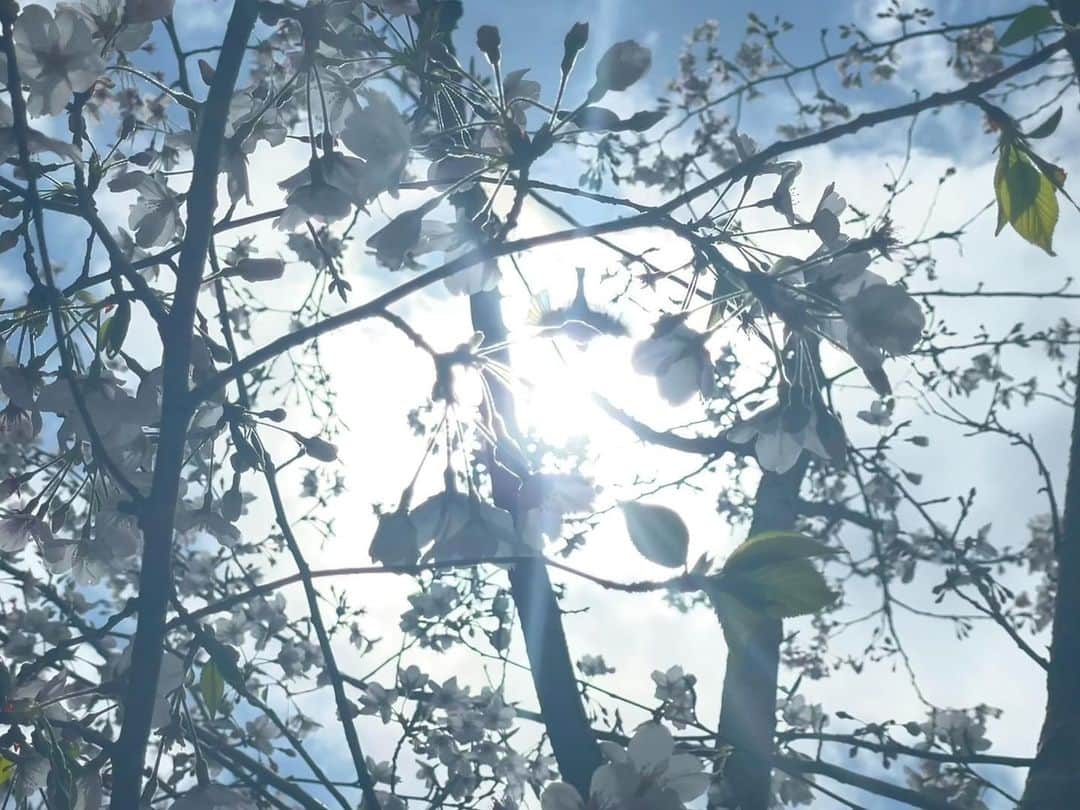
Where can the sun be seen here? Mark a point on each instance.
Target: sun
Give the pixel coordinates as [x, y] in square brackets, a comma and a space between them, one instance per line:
[559, 381]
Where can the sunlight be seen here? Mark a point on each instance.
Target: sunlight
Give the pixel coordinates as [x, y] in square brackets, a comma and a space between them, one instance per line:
[562, 379]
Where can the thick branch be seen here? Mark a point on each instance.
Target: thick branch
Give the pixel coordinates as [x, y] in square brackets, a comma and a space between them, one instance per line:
[748, 703]
[568, 727]
[891, 748]
[1054, 780]
[797, 765]
[158, 516]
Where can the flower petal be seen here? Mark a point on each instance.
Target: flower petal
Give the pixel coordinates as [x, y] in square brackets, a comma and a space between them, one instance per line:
[651, 747]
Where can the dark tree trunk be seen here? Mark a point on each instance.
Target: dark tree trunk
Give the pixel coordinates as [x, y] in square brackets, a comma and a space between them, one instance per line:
[572, 740]
[569, 731]
[748, 704]
[157, 514]
[1069, 11]
[1054, 779]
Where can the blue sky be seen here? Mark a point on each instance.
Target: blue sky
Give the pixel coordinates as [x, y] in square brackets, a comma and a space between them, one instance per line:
[653, 636]
[987, 669]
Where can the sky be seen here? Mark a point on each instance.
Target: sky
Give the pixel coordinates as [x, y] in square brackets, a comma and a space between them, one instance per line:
[637, 634]
[380, 377]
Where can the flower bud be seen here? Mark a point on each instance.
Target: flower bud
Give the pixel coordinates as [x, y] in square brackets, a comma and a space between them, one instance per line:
[575, 40]
[622, 65]
[232, 504]
[260, 269]
[489, 41]
[206, 71]
[318, 449]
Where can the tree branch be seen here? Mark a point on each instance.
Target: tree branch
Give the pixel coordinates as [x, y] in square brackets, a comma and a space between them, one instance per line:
[158, 518]
[657, 217]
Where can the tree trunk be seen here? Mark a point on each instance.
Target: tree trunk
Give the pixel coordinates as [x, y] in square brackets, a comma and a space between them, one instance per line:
[1054, 778]
[572, 740]
[569, 731]
[158, 513]
[748, 703]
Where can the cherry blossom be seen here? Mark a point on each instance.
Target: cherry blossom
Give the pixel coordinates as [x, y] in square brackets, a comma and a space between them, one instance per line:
[155, 216]
[782, 433]
[647, 775]
[378, 135]
[397, 8]
[546, 499]
[676, 355]
[57, 55]
[112, 23]
[213, 797]
[172, 493]
[18, 529]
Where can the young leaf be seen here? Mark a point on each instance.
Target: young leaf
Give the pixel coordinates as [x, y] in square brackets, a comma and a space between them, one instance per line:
[253, 270]
[643, 120]
[771, 574]
[792, 587]
[224, 658]
[593, 118]
[1047, 127]
[1026, 198]
[596, 119]
[658, 533]
[773, 547]
[212, 686]
[9, 239]
[738, 619]
[1027, 23]
[115, 329]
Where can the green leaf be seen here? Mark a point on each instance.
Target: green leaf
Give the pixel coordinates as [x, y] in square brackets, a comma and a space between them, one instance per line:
[793, 587]
[7, 770]
[594, 118]
[773, 547]
[658, 533]
[737, 619]
[224, 658]
[212, 686]
[1027, 23]
[115, 329]
[1047, 127]
[644, 120]
[771, 574]
[1026, 198]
